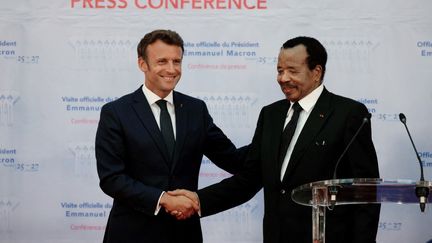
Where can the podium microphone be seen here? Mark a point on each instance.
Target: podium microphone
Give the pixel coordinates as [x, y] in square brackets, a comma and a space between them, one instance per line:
[333, 190]
[422, 192]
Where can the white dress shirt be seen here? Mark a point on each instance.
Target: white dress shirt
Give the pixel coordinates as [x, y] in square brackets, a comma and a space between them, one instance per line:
[152, 98]
[307, 103]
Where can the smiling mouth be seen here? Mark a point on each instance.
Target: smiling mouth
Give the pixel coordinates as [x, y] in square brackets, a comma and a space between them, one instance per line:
[169, 78]
[287, 87]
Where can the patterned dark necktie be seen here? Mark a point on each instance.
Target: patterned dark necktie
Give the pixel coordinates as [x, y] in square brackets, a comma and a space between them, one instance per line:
[289, 130]
[166, 127]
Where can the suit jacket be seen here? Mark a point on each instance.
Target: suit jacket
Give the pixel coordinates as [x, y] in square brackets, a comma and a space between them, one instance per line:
[133, 165]
[327, 131]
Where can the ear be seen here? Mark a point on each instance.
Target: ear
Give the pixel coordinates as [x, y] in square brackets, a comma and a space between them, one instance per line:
[142, 64]
[317, 71]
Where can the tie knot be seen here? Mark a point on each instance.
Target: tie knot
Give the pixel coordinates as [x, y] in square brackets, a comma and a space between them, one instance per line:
[296, 107]
[162, 104]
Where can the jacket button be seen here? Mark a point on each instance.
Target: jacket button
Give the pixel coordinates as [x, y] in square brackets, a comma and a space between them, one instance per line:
[282, 191]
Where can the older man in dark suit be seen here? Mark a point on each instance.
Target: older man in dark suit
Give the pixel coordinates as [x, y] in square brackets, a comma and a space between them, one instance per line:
[152, 141]
[298, 140]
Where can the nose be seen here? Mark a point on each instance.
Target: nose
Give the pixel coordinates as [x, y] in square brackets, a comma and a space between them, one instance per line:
[284, 77]
[172, 67]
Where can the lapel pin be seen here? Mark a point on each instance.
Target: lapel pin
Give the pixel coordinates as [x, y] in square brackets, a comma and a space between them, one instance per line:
[321, 115]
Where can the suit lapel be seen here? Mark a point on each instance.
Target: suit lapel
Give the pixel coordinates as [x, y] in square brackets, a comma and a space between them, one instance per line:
[276, 128]
[145, 114]
[313, 125]
[181, 125]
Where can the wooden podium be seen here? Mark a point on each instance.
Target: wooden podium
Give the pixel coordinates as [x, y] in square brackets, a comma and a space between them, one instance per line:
[353, 191]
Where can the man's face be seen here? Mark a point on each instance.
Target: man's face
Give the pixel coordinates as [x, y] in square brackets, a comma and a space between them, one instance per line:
[162, 69]
[294, 76]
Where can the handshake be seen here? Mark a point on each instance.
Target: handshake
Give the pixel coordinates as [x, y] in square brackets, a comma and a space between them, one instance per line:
[180, 203]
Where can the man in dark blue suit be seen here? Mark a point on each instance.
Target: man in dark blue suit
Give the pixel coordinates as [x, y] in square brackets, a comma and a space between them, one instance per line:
[324, 125]
[137, 162]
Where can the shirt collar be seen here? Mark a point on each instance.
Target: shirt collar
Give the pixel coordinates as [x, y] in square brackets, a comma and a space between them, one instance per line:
[152, 97]
[309, 101]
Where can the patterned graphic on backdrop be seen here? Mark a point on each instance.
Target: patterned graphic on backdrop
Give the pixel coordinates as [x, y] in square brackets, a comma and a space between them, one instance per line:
[7, 208]
[230, 110]
[85, 160]
[351, 55]
[8, 98]
[236, 224]
[110, 55]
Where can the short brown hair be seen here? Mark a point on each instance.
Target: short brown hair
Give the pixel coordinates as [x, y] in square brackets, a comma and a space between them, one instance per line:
[167, 36]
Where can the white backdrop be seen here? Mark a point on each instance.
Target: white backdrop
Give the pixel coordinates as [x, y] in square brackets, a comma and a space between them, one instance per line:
[60, 61]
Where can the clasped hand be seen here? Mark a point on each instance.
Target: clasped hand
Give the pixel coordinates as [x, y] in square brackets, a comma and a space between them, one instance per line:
[180, 203]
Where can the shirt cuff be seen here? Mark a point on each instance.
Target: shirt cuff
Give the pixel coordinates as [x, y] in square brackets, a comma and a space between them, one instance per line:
[158, 206]
[199, 204]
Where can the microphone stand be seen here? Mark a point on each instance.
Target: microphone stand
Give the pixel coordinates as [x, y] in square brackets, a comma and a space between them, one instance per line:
[333, 190]
[421, 191]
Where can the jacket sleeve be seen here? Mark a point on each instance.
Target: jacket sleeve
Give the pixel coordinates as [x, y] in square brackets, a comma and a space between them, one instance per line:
[111, 166]
[219, 148]
[239, 188]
